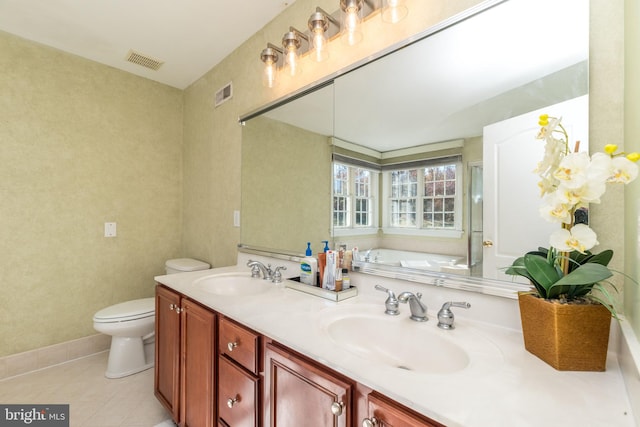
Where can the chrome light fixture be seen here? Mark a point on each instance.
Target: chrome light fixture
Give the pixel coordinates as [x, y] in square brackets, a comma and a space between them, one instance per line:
[272, 64]
[319, 27]
[394, 11]
[324, 27]
[291, 43]
[351, 21]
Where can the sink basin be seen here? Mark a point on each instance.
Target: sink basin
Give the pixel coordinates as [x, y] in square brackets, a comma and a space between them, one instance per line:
[400, 343]
[232, 284]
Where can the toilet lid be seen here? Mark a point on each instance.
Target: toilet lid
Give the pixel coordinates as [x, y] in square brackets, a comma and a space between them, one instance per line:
[128, 310]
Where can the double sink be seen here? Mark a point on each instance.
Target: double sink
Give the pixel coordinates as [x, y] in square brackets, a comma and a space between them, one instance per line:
[366, 332]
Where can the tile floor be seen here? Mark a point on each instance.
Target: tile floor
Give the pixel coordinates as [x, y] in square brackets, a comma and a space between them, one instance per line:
[94, 400]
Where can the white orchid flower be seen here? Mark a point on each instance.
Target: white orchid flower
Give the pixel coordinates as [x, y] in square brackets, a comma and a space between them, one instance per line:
[549, 125]
[623, 170]
[590, 192]
[573, 170]
[555, 211]
[580, 238]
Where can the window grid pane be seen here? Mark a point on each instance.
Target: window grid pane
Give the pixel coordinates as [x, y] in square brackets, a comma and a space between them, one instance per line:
[404, 192]
[353, 196]
[439, 197]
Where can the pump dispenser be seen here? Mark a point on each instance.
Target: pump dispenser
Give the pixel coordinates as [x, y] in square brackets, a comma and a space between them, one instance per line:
[322, 261]
[308, 267]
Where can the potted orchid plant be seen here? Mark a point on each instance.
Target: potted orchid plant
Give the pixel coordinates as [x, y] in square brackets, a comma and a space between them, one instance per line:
[565, 274]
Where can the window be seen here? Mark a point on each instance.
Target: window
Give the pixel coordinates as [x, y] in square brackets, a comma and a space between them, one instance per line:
[425, 198]
[354, 190]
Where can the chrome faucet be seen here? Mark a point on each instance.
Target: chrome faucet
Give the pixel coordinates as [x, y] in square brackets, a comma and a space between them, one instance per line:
[277, 275]
[391, 303]
[418, 309]
[257, 267]
[445, 315]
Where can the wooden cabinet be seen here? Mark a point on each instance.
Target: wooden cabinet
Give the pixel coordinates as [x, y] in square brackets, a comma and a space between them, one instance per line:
[167, 350]
[212, 371]
[300, 392]
[238, 375]
[383, 412]
[185, 364]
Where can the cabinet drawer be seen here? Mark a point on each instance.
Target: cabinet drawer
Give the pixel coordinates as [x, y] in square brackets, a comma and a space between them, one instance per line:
[238, 397]
[239, 344]
[388, 413]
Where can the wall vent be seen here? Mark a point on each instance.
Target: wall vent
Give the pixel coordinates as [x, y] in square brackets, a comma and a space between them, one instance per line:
[224, 94]
[144, 60]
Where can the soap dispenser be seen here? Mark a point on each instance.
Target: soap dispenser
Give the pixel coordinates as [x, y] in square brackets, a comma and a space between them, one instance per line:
[308, 267]
[322, 261]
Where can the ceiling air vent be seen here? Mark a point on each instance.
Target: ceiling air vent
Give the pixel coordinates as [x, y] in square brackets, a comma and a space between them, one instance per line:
[224, 94]
[144, 60]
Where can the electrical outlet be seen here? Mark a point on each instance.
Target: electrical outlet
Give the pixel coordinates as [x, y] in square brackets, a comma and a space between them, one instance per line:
[109, 229]
[236, 218]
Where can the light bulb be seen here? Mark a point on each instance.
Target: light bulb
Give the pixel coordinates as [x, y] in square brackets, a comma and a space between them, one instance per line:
[291, 62]
[351, 31]
[318, 25]
[291, 43]
[352, 34]
[320, 51]
[270, 73]
[394, 11]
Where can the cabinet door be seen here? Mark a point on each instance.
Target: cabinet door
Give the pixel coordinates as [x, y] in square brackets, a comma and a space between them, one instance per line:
[198, 394]
[238, 397]
[167, 350]
[301, 393]
[383, 412]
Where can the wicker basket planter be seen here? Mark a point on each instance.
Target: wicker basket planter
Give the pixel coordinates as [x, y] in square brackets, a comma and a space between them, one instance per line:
[569, 337]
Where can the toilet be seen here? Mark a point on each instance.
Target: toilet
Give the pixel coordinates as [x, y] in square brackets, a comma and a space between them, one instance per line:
[131, 325]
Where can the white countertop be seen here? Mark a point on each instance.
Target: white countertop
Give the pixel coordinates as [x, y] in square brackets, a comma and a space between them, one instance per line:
[503, 385]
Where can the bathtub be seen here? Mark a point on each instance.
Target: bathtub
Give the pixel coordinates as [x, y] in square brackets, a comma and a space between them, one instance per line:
[417, 260]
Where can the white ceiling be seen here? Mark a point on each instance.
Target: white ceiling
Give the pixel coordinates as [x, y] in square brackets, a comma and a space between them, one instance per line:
[190, 36]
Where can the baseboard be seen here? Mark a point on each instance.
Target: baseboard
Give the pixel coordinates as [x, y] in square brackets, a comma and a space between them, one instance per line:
[44, 357]
[629, 359]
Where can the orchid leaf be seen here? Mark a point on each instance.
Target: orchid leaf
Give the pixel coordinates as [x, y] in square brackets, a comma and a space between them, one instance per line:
[543, 273]
[603, 258]
[585, 275]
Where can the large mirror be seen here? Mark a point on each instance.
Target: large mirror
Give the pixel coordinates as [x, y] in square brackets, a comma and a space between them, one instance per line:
[429, 99]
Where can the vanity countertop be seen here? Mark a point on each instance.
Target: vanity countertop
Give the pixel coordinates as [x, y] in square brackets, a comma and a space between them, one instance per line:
[518, 390]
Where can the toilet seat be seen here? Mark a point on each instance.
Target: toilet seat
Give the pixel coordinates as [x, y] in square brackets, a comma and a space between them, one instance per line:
[126, 311]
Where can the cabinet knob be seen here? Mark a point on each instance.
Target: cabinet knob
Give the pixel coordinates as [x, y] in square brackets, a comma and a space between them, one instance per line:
[337, 408]
[370, 422]
[172, 307]
[232, 401]
[232, 345]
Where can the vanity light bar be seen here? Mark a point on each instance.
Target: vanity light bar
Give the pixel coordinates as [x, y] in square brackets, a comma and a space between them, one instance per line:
[323, 27]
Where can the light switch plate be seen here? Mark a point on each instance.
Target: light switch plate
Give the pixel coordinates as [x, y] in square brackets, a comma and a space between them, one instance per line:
[109, 229]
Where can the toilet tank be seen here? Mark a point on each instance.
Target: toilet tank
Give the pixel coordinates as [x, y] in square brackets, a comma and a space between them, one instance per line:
[181, 265]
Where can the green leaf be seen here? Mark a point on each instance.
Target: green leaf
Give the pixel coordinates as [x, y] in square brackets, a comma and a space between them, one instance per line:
[603, 258]
[586, 274]
[541, 271]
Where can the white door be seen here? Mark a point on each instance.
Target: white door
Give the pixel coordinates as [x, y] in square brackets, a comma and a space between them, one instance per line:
[512, 224]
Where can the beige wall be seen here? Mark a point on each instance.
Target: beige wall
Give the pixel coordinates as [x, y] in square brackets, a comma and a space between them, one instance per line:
[632, 143]
[81, 144]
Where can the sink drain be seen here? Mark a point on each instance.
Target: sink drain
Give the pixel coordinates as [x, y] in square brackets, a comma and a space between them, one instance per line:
[406, 368]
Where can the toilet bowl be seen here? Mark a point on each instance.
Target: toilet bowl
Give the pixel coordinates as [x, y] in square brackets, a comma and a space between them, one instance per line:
[131, 325]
